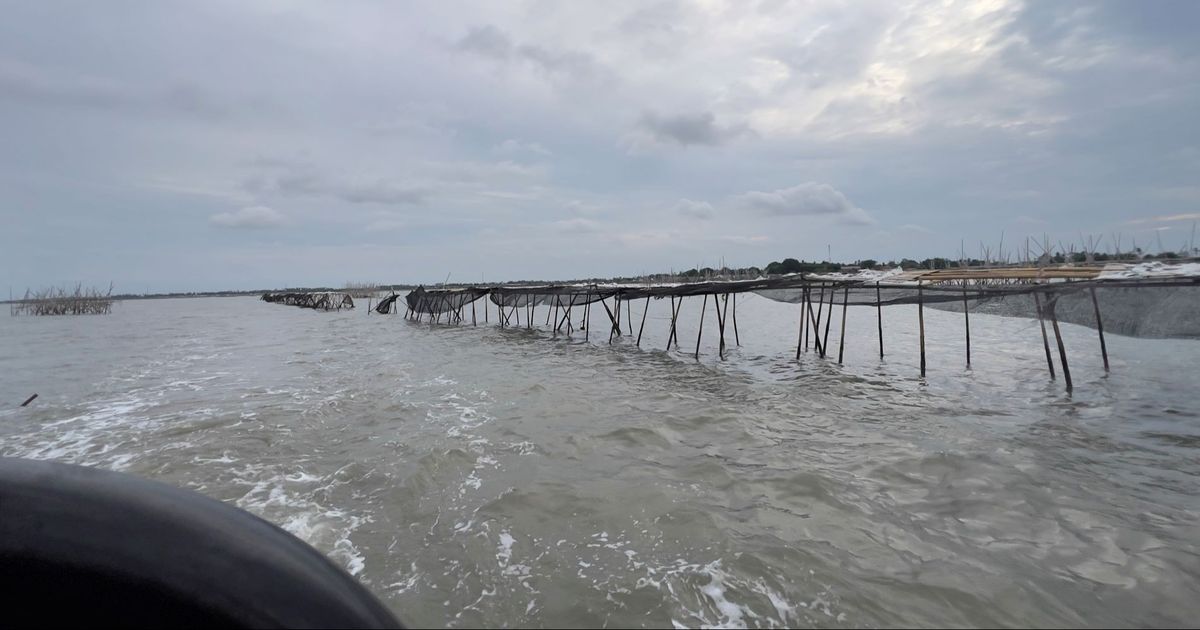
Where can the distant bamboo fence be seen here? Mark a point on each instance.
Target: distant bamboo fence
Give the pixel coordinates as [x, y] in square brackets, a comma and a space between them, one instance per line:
[321, 301]
[63, 301]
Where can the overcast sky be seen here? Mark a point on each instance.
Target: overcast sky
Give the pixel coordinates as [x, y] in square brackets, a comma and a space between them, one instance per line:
[205, 145]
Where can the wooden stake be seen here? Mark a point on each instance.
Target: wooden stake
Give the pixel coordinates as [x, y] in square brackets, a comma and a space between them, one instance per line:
[720, 326]
[736, 339]
[842, 339]
[803, 319]
[828, 320]
[1037, 300]
[805, 302]
[558, 306]
[643, 326]
[1062, 350]
[921, 320]
[703, 308]
[816, 333]
[611, 319]
[629, 315]
[473, 312]
[1099, 327]
[813, 326]
[587, 316]
[967, 319]
[879, 311]
[673, 338]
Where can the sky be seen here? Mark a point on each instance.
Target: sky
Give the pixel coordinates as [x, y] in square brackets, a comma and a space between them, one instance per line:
[182, 146]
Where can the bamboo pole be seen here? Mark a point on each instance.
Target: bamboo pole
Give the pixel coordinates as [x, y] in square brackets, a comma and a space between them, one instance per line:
[804, 316]
[802, 328]
[828, 320]
[1037, 300]
[816, 333]
[813, 326]
[720, 325]
[1062, 350]
[736, 339]
[587, 316]
[611, 319]
[703, 309]
[921, 320]
[673, 338]
[967, 320]
[879, 312]
[643, 326]
[1099, 327]
[842, 337]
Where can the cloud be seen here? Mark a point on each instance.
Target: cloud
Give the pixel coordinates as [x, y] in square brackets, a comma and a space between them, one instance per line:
[489, 41]
[688, 129]
[512, 146]
[694, 209]
[486, 40]
[577, 226]
[1186, 216]
[808, 199]
[252, 217]
[307, 181]
[913, 227]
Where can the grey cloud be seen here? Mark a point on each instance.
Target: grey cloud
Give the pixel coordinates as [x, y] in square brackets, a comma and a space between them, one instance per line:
[808, 199]
[253, 217]
[489, 41]
[688, 129]
[694, 209]
[577, 226]
[302, 180]
[379, 191]
[26, 83]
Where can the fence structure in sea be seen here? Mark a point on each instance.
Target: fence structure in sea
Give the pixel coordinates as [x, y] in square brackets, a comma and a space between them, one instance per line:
[818, 296]
[62, 301]
[319, 300]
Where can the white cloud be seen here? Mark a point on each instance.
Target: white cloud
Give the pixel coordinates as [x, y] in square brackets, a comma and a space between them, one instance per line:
[252, 217]
[808, 199]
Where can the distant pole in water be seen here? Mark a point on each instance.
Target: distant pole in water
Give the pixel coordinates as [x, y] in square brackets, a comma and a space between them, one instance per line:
[643, 326]
[967, 319]
[921, 322]
[675, 308]
[28, 400]
[803, 319]
[736, 339]
[879, 310]
[828, 320]
[1100, 326]
[800, 332]
[703, 308]
[1062, 350]
[1037, 300]
[842, 339]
